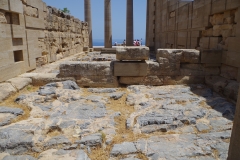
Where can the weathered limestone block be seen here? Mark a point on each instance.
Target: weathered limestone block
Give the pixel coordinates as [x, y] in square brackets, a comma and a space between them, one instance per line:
[192, 70]
[148, 80]
[41, 79]
[72, 68]
[34, 22]
[130, 68]
[179, 55]
[16, 6]
[20, 83]
[132, 53]
[175, 80]
[163, 68]
[30, 11]
[229, 72]
[211, 56]
[18, 31]
[6, 90]
[97, 81]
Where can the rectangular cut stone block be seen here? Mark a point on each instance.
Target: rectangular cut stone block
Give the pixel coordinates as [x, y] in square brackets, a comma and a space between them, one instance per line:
[36, 4]
[192, 70]
[4, 5]
[211, 56]
[73, 68]
[179, 55]
[16, 6]
[134, 69]
[148, 80]
[163, 68]
[231, 58]
[132, 53]
[34, 22]
[18, 31]
[97, 81]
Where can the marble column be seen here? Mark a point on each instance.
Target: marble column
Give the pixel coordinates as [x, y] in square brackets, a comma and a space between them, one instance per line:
[107, 24]
[129, 24]
[88, 19]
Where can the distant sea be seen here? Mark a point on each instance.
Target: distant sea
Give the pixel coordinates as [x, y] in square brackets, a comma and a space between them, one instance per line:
[100, 42]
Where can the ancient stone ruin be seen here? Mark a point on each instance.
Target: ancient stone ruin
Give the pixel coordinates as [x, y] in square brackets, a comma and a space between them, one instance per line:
[174, 99]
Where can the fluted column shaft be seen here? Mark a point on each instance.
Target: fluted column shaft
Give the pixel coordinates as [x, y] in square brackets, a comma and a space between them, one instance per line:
[129, 24]
[88, 19]
[107, 24]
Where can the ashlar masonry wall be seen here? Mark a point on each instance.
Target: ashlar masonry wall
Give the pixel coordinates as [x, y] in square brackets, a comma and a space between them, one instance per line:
[33, 34]
[210, 26]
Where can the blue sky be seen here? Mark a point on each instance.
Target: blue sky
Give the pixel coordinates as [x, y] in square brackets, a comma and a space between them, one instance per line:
[76, 8]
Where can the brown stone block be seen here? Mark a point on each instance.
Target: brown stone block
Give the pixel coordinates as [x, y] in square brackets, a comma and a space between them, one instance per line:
[164, 67]
[16, 6]
[206, 65]
[131, 68]
[34, 22]
[4, 5]
[5, 30]
[212, 71]
[211, 56]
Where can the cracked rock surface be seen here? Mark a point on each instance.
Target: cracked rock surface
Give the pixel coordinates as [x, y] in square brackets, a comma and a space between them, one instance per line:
[138, 122]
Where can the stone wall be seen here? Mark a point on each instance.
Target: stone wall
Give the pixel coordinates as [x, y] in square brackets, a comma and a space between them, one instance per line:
[210, 26]
[33, 34]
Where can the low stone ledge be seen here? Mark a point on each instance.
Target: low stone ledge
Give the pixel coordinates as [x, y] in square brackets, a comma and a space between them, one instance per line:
[76, 68]
[20, 83]
[130, 68]
[6, 89]
[132, 53]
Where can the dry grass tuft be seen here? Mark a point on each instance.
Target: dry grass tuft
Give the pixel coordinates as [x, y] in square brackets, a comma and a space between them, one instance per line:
[10, 102]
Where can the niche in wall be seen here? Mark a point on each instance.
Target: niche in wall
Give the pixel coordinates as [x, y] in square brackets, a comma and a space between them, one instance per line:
[18, 56]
